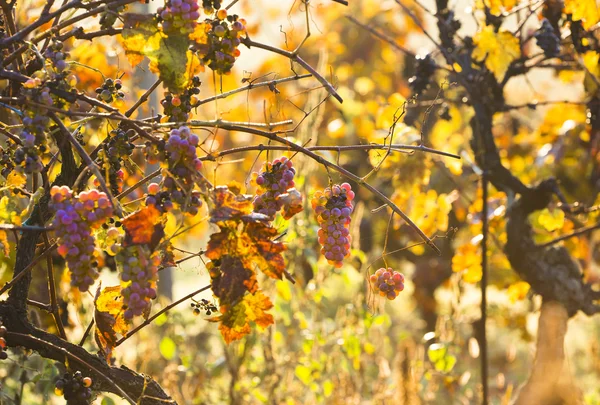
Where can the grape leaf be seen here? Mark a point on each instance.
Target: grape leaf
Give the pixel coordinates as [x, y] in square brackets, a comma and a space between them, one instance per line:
[253, 246]
[498, 49]
[169, 55]
[498, 6]
[235, 323]
[4, 244]
[109, 319]
[585, 11]
[229, 206]
[230, 280]
[143, 227]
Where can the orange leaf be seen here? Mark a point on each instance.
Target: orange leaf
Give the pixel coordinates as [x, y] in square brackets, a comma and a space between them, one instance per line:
[143, 227]
[235, 323]
[229, 206]
[256, 306]
[230, 280]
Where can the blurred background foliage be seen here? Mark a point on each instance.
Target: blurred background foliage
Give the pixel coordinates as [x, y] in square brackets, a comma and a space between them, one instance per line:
[334, 341]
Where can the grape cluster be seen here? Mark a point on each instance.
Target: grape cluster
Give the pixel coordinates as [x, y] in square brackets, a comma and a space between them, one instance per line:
[203, 305]
[424, 69]
[110, 158]
[223, 39]
[179, 15]
[177, 107]
[139, 272]
[547, 39]
[210, 6]
[333, 207]
[387, 282]
[75, 388]
[274, 181]
[35, 122]
[57, 55]
[76, 218]
[6, 162]
[110, 91]
[182, 167]
[3, 345]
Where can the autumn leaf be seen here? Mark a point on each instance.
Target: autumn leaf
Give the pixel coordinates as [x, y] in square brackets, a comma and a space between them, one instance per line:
[229, 206]
[4, 244]
[498, 49]
[169, 55]
[256, 306]
[109, 318]
[143, 227]
[497, 7]
[585, 11]
[467, 260]
[235, 323]
[230, 280]
[517, 291]
[254, 246]
[16, 179]
[548, 220]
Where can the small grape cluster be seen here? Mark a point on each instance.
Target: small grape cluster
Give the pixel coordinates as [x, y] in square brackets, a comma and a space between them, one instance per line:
[57, 55]
[179, 15]
[110, 158]
[203, 305]
[181, 168]
[6, 162]
[110, 91]
[3, 345]
[547, 39]
[75, 388]
[275, 181]
[333, 207]
[223, 39]
[76, 218]
[387, 282]
[424, 69]
[139, 272]
[210, 6]
[177, 107]
[35, 122]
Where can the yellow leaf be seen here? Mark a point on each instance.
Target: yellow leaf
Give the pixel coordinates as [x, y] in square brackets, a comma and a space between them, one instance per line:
[551, 220]
[585, 11]
[498, 6]
[517, 291]
[256, 306]
[467, 260]
[16, 179]
[499, 49]
[111, 301]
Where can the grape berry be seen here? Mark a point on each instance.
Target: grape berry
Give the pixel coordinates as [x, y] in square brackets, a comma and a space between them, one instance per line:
[387, 282]
[547, 40]
[333, 207]
[179, 15]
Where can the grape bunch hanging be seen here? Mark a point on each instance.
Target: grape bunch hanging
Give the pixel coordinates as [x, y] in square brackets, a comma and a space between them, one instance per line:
[223, 39]
[181, 167]
[333, 208]
[75, 388]
[111, 90]
[387, 282]
[547, 39]
[179, 15]
[139, 273]
[110, 158]
[76, 218]
[177, 108]
[275, 189]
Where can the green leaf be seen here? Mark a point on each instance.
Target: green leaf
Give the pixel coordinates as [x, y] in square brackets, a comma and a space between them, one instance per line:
[167, 348]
